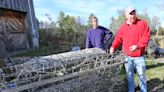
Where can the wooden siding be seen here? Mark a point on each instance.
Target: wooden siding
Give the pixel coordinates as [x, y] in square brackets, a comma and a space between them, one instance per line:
[26, 8]
[19, 5]
[12, 30]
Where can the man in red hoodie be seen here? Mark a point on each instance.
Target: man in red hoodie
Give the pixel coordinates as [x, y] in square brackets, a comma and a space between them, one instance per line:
[134, 35]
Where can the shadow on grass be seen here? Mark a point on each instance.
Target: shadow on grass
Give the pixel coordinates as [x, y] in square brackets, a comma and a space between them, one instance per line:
[154, 65]
[154, 85]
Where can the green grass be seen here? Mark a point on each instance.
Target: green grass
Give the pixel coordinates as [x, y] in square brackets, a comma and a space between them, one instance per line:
[154, 70]
[42, 51]
[154, 75]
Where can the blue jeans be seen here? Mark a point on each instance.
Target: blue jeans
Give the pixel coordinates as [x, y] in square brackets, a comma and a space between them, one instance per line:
[137, 63]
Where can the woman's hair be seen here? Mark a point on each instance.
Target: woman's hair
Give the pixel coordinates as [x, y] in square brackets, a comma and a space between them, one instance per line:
[94, 17]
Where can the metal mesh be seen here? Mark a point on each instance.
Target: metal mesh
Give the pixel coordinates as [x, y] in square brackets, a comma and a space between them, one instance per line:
[65, 72]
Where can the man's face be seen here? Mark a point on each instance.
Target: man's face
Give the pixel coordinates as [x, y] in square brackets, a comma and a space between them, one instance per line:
[131, 17]
[94, 22]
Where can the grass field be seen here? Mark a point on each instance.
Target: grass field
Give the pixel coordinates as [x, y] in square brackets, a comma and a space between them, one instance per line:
[154, 75]
[45, 50]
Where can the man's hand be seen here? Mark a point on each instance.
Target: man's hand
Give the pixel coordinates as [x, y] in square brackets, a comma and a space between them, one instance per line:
[133, 48]
[111, 50]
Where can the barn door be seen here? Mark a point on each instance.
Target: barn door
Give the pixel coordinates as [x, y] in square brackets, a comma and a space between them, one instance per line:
[12, 30]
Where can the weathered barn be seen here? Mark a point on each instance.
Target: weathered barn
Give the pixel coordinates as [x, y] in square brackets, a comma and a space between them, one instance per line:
[18, 29]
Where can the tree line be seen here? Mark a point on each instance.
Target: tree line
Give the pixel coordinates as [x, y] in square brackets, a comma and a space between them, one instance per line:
[69, 31]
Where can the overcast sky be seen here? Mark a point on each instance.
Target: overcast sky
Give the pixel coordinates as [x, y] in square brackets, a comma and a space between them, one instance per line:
[103, 9]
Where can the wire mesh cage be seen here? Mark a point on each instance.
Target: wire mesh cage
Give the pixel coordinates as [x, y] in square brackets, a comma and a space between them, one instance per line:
[73, 71]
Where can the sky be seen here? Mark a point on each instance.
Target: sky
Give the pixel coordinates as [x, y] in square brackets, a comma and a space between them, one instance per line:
[103, 9]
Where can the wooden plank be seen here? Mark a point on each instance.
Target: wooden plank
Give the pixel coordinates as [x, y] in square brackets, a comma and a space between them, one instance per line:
[5, 4]
[19, 2]
[16, 5]
[14, 21]
[1, 3]
[20, 5]
[2, 22]
[33, 14]
[25, 5]
[17, 41]
[8, 4]
[11, 4]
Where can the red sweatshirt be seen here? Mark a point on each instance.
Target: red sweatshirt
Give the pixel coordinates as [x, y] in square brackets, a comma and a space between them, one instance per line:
[136, 34]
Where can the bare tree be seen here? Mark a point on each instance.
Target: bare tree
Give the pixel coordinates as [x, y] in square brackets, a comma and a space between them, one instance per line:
[155, 24]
